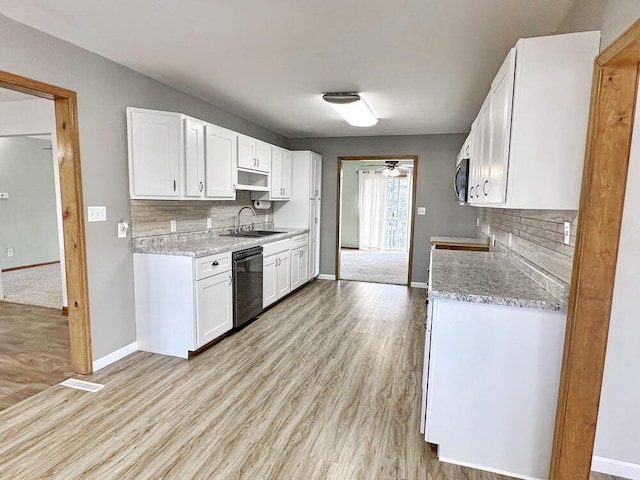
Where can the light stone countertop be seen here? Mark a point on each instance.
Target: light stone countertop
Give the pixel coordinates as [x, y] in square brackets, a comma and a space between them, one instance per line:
[197, 245]
[484, 277]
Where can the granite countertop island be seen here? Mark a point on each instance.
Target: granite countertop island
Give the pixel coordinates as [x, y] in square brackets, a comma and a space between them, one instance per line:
[484, 277]
[202, 244]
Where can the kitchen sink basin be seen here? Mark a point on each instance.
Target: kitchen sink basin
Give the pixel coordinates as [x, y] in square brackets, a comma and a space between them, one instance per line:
[252, 234]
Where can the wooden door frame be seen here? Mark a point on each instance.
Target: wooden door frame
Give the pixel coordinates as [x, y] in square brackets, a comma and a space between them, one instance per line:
[613, 100]
[341, 160]
[68, 146]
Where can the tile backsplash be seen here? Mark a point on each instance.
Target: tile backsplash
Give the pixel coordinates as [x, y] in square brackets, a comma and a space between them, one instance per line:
[152, 217]
[536, 237]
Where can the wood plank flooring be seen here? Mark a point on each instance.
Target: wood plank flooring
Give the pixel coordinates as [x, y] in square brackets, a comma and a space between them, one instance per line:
[325, 385]
[34, 351]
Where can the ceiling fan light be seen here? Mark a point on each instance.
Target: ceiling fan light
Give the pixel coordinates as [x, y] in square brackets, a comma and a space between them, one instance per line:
[352, 108]
[386, 172]
[394, 172]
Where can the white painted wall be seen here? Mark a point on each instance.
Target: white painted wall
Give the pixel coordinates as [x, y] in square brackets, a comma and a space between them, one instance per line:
[618, 430]
[31, 117]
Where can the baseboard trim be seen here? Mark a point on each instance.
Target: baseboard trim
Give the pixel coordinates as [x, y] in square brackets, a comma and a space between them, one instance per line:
[419, 285]
[616, 468]
[486, 469]
[33, 265]
[114, 356]
[324, 276]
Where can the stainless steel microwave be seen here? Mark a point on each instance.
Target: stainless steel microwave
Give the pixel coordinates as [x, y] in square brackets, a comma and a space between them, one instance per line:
[461, 179]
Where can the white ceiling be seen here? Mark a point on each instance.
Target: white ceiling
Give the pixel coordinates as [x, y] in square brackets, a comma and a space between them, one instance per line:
[424, 66]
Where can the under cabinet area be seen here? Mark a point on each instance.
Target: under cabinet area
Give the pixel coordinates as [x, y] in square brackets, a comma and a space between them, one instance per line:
[181, 303]
[528, 140]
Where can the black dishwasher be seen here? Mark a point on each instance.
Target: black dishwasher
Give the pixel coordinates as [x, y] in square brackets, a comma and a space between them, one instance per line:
[247, 285]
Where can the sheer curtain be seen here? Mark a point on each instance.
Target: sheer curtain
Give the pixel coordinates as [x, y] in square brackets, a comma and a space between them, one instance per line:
[373, 203]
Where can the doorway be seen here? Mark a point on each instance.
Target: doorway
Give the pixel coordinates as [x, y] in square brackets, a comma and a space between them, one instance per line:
[72, 212]
[375, 219]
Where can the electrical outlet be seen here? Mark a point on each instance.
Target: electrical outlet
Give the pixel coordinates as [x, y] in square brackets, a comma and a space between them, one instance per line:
[493, 239]
[172, 226]
[122, 229]
[422, 211]
[567, 232]
[9, 252]
[209, 224]
[478, 222]
[97, 214]
[510, 238]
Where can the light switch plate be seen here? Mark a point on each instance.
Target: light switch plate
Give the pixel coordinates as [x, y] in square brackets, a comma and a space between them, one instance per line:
[209, 224]
[567, 232]
[97, 214]
[422, 211]
[172, 226]
[122, 229]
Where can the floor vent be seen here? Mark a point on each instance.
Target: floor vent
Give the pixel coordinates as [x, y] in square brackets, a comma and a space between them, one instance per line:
[82, 385]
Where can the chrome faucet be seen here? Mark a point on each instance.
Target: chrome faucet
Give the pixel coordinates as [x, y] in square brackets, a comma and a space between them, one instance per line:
[238, 228]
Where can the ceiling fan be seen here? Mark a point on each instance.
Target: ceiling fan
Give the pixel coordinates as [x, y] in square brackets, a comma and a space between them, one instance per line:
[392, 169]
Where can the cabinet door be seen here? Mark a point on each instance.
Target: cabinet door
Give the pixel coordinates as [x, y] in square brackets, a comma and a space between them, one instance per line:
[193, 158]
[246, 152]
[495, 186]
[482, 180]
[474, 161]
[154, 153]
[215, 308]
[317, 165]
[304, 265]
[314, 238]
[295, 268]
[263, 156]
[286, 174]
[220, 166]
[276, 172]
[269, 281]
[284, 274]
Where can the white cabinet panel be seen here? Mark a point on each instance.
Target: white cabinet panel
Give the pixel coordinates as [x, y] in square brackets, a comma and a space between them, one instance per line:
[246, 152]
[269, 281]
[276, 173]
[284, 274]
[215, 307]
[221, 173]
[154, 153]
[263, 156]
[193, 157]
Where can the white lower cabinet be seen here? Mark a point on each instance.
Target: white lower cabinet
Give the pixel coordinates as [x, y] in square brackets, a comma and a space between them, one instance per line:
[299, 261]
[215, 307]
[181, 303]
[277, 272]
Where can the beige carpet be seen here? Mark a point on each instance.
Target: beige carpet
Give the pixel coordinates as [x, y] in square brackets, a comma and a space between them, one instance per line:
[41, 286]
[375, 267]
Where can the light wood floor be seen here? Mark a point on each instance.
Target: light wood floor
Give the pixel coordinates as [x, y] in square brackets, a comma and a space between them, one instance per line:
[34, 351]
[326, 385]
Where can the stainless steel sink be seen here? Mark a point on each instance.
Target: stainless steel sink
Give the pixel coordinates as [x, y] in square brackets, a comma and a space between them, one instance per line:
[252, 234]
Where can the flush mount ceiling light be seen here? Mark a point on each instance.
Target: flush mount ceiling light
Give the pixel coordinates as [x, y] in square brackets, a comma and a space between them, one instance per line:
[352, 108]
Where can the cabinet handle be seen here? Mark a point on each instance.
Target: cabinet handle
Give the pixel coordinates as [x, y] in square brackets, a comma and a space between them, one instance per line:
[234, 188]
[174, 185]
[230, 281]
[316, 220]
[201, 186]
[215, 264]
[486, 182]
[258, 160]
[477, 190]
[471, 192]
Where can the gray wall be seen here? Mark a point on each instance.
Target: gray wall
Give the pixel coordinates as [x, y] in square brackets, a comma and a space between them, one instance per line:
[28, 216]
[436, 166]
[350, 199]
[104, 89]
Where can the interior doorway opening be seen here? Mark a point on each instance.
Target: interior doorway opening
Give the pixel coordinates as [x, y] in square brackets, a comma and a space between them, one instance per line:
[375, 212]
[72, 211]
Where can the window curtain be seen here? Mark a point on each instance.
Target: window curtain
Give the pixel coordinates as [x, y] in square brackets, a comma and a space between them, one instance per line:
[372, 206]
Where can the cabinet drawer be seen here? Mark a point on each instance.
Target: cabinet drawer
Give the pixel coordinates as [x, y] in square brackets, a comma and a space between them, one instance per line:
[276, 247]
[213, 264]
[300, 241]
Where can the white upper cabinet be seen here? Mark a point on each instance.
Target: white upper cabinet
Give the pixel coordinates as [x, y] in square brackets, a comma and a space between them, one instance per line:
[280, 174]
[193, 157]
[220, 163]
[253, 154]
[155, 157]
[315, 190]
[530, 135]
